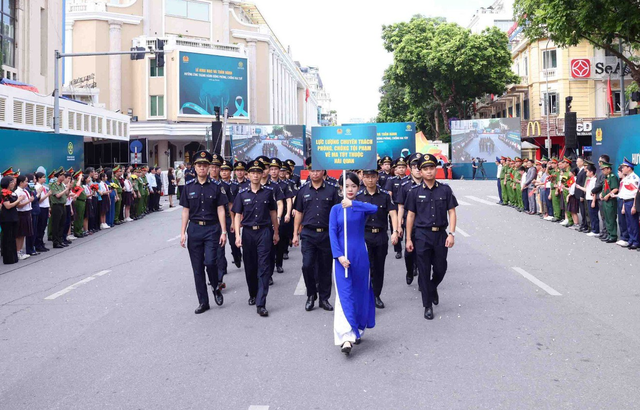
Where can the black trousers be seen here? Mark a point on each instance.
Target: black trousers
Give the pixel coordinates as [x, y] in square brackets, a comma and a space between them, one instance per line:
[8, 242]
[316, 260]
[409, 257]
[43, 220]
[221, 258]
[286, 233]
[235, 251]
[431, 254]
[584, 222]
[257, 246]
[67, 221]
[57, 223]
[202, 245]
[377, 247]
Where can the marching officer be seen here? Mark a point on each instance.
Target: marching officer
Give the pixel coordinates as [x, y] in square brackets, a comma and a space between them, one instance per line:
[294, 177]
[285, 221]
[393, 186]
[403, 192]
[232, 188]
[203, 220]
[280, 200]
[429, 204]
[255, 209]
[239, 171]
[375, 231]
[313, 206]
[385, 167]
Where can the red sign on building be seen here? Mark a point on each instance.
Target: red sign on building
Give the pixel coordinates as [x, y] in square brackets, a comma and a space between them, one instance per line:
[581, 68]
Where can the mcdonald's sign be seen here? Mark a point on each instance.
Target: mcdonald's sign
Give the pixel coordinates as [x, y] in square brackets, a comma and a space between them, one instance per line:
[532, 127]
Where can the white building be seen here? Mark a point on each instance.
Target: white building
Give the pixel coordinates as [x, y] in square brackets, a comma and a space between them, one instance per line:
[497, 14]
[326, 116]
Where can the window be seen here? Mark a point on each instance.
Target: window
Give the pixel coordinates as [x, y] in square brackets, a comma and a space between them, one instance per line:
[155, 70]
[526, 109]
[549, 59]
[7, 34]
[190, 9]
[518, 111]
[510, 112]
[616, 101]
[44, 41]
[550, 100]
[526, 66]
[157, 106]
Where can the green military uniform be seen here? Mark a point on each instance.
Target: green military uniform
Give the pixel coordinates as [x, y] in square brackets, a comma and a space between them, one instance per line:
[555, 175]
[118, 189]
[137, 187]
[509, 184]
[506, 170]
[517, 179]
[79, 207]
[501, 176]
[563, 178]
[142, 208]
[610, 206]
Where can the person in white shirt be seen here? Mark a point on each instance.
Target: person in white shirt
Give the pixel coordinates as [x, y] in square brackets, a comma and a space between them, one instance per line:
[592, 203]
[627, 193]
[25, 222]
[180, 179]
[500, 164]
[43, 218]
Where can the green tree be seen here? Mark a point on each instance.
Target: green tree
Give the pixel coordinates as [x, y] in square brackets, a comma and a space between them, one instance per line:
[603, 23]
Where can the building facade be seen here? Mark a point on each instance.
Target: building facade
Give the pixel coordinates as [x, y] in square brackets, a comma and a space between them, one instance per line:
[498, 14]
[215, 29]
[326, 116]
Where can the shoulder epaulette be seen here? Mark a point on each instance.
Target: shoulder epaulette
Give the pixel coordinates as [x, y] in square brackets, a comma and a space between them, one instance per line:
[360, 192]
[384, 191]
[267, 187]
[405, 183]
[234, 183]
[214, 181]
[190, 181]
[416, 186]
[243, 190]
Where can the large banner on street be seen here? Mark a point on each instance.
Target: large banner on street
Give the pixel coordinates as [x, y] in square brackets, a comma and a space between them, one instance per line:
[618, 138]
[343, 147]
[394, 139]
[207, 81]
[38, 151]
[283, 141]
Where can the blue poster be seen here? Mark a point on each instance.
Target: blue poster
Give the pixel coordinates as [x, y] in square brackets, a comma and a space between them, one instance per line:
[617, 138]
[394, 139]
[343, 147]
[208, 81]
[31, 152]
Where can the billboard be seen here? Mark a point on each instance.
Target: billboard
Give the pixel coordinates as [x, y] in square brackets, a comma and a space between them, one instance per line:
[207, 81]
[618, 138]
[485, 139]
[38, 151]
[283, 141]
[343, 147]
[394, 139]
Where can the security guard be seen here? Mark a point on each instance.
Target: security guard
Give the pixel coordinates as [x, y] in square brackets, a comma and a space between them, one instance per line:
[294, 177]
[280, 201]
[232, 188]
[313, 206]
[429, 204]
[393, 186]
[203, 220]
[285, 222]
[375, 231]
[385, 167]
[403, 192]
[239, 171]
[221, 259]
[255, 209]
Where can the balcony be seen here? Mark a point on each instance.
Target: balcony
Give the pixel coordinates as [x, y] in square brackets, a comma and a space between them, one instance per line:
[173, 42]
[548, 73]
[80, 6]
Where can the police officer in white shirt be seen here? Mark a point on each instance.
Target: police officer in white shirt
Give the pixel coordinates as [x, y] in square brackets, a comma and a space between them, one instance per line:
[628, 192]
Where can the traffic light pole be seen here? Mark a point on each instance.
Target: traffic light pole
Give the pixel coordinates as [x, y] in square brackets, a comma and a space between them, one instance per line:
[56, 71]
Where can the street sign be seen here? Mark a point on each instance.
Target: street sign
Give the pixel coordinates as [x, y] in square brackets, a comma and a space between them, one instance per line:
[135, 146]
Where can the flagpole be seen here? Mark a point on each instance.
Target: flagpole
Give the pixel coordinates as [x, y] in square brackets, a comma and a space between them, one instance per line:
[344, 194]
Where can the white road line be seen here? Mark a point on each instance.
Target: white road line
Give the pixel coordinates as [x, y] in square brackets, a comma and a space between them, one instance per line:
[175, 238]
[463, 203]
[463, 233]
[482, 201]
[76, 285]
[254, 407]
[537, 282]
[301, 289]
[493, 197]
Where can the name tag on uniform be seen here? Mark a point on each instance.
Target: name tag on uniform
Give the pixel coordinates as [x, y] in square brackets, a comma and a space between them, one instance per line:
[422, 196]
[247, 200]
[307, 196]
[193, 193]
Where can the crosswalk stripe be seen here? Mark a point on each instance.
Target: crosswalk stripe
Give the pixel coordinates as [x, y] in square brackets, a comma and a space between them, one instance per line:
[301, 289]
[482, 201]
[537, 282]
[493, 197]
[460, 202]
[463, 233]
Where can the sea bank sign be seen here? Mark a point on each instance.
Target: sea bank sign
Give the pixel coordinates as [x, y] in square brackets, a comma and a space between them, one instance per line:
[596, 68]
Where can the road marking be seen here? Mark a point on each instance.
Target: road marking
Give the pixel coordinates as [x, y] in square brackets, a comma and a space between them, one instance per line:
[254, 407]
[463, 233]
[493, 197]
[76, 285]
[537, 282]
[482, 201]
[463, 202]
[301, 289]
[175, 238]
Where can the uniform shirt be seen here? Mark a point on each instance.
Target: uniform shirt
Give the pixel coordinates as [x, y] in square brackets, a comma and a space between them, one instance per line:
[24, 193]
[591, 183]
[232, 189]
[629, 186]
[153, 184]
[244, 184]
[277, 192]
[382, 178]
[255, 207]
[609, 184]
[203, 200]
[315, 204]
[296, 180]
[383, 201]
[431, 205]
[499, 173]
[189, 175]
[56, 188]
[45, 202]
[403, 192]
[393, 185]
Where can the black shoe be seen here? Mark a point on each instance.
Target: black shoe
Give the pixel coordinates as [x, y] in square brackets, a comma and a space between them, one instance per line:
[64, 244]
[415, 270]
[42, 250]
[398, 255]
[33, 253]
[252, 301]
[436, 299]
[58, 246]
[270, 281]
[632, 247]
[285, 256]
[357, 342]
[310, 302]
[346, 348]
[202, 309]
[611, 240]
[325, 305]
[279, 269]
[262, 311]
[428, 313]
[237, 263]
[409, 278]
[217, 295]
[379, 303]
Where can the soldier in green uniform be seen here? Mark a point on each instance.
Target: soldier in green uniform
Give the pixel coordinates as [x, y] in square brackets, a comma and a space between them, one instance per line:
[507, 181]
[117, 174]
[565, 175]
[517, 188]
[555, 194]
[79, 205]
[144, 193]
[609, 202]
[137, 196]
[503, 170]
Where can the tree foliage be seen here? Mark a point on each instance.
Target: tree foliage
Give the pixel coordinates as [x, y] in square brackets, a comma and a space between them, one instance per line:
[440, 65]
[568, 22]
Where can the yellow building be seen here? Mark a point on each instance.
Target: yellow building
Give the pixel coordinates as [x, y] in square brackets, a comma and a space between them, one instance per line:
[549, 75]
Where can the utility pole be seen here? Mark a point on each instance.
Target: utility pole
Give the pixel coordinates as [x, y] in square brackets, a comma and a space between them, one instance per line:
[623, 99]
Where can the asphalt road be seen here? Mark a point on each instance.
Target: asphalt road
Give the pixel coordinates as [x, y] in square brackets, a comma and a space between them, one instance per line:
[531, 315]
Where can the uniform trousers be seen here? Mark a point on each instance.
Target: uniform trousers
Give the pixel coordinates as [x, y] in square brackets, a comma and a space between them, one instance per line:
[632, 224]
[202, 245]
[410, 257]
[286, 233]
[500, 190]
[57, 223]
[622, 221]
[430, 253]
[524, 193]
[235, 251]
[43, 220]
[78, 219]
[593, 215]
[67, 221]
[377, 247]
[531, 196]
[257, 246]
[31, 240]
[556, 204]
[221, 257]
[610, 211]
[316, 259]
[584, 223]
[118, 216]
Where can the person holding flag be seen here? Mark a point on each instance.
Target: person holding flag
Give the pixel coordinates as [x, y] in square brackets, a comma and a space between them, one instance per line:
[573, 203]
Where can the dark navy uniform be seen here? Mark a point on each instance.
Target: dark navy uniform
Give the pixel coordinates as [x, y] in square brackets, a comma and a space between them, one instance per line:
[393, 186]
[315, 207]
[430, 206]
[383, 176]
[203, 231]
[189, 174]
[375, 235]
[286, 228]
[409, 257]
[257, 239]
[232, 188]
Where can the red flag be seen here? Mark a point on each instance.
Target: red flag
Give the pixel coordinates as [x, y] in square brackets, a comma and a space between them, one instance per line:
[571, 181]
[610, 96]
[306, 97]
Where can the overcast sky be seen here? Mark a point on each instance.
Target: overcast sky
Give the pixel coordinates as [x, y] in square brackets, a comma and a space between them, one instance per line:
[343, 39]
